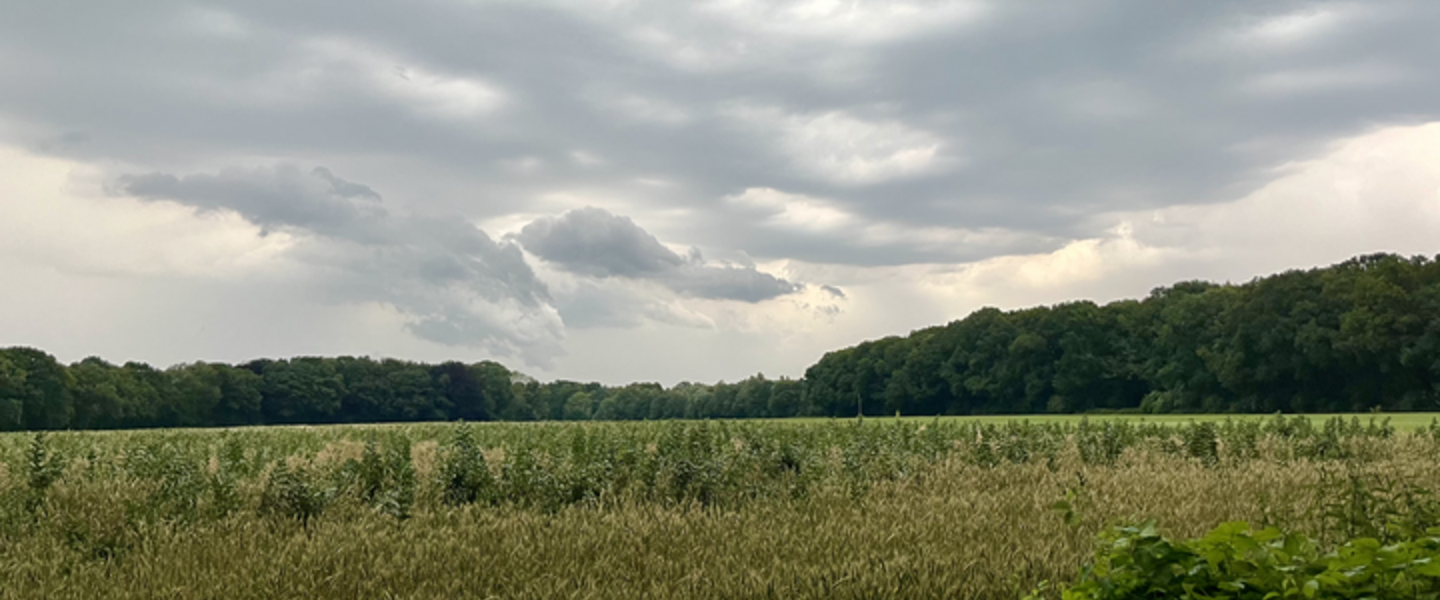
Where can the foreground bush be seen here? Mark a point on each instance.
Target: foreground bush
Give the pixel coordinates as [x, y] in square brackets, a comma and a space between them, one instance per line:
[1237, 562]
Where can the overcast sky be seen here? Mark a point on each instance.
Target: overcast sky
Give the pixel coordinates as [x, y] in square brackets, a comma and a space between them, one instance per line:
[666, 191]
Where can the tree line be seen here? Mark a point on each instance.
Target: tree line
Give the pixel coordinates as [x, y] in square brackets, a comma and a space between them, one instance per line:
[1355, 336]
[38, 392]
[1351, 337]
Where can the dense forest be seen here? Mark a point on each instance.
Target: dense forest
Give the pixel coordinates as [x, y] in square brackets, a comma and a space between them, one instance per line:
[1351, 337]
[37, 392]
[1355, 336]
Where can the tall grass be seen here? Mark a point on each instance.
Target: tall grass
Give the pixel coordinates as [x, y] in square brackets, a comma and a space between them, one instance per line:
[669, 510]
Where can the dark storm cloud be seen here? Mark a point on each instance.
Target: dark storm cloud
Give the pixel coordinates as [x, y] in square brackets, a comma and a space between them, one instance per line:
[593, 242]
[1022, 117]
[455, 284]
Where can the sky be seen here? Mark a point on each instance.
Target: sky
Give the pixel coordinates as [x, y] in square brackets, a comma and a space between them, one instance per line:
[635, 190]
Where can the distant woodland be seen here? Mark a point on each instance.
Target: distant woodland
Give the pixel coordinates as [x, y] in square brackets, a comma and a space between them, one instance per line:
[1356, 336]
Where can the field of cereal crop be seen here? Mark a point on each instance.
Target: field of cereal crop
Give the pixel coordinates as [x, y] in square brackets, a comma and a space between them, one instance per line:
[907, 508]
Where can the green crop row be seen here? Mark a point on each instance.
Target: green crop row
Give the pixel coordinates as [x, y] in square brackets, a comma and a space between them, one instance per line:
[299, 471]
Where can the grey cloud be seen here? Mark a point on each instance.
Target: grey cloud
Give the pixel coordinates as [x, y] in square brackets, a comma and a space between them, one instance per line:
[282, 196]
[593, 242]
[594, 307]
[727, 282]
[619, 304]
[1044, 116]
[455, 284]
[342, 188]
[1045, 113]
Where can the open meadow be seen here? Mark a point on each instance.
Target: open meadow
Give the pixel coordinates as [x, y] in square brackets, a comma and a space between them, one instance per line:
[889, 508]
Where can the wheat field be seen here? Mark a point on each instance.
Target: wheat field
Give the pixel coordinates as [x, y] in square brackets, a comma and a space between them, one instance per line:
[881, 509]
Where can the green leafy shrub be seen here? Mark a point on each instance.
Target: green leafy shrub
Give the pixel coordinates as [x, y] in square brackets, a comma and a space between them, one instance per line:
[384, 479]
[43, 468]
[290, 494]
[1241, 438]
[1202, 441]
[1102, 444]
[177, 482]
[397, 496]
[464, 475]
[1234, 561]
